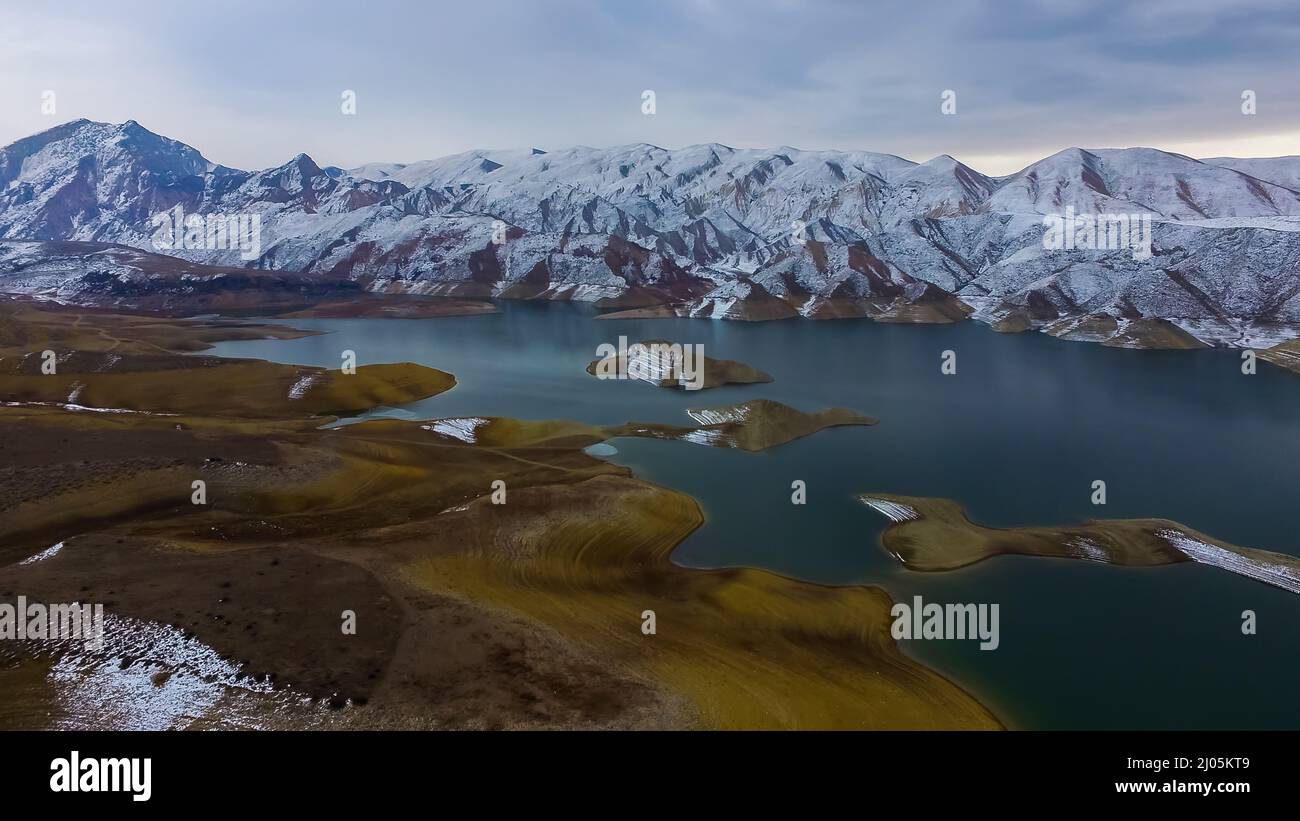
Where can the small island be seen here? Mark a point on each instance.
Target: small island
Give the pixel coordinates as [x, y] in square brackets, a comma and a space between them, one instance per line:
[655, 362]
[933, 534]
[755, 425]
[751, 426]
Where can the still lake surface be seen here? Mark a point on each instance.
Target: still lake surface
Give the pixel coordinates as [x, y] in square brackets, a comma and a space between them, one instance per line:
[1017, 436]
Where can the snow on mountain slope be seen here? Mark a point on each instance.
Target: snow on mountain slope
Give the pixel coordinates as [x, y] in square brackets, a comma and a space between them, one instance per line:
[708, 230]
[87, 180]
[764, 190]
[453, 170]
[1195, 273]
[1283, 171]
[1137, 180]
[941, 187]
[98, 274]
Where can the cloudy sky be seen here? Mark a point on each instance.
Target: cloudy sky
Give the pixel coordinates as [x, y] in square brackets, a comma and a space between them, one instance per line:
[250, 84]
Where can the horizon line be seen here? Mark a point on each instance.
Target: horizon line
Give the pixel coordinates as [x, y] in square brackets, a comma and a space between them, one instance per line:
[544, 151]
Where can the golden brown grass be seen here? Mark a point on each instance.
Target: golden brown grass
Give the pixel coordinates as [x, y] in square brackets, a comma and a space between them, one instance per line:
[579, 551]
[1154, 334]
[755, 425]
[939, 536]
[749, 648]
[943, 538]
[239, 388]
[28, 326]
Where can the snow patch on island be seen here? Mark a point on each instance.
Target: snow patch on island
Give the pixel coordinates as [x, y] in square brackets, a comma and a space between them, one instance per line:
[894, 511]
[714, 438]
[719, 416]
[1083, 548]
[1279, 575]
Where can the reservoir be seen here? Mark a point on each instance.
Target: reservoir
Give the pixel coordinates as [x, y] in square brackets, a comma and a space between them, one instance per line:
[1017, 435]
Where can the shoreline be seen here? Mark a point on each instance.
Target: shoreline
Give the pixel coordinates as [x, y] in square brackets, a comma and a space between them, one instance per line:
[758, 595]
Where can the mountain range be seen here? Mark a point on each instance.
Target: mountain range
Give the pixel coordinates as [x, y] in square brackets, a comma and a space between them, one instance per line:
[707, 230]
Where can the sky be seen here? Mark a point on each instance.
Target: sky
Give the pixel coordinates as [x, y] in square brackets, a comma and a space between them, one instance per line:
[251, 84]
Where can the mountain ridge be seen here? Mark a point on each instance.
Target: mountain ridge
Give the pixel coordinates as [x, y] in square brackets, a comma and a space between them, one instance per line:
[706, 230]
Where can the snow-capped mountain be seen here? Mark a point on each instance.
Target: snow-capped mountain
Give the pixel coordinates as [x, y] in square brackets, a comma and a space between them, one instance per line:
[706, 230]
[1140, 180]
[1284, 171]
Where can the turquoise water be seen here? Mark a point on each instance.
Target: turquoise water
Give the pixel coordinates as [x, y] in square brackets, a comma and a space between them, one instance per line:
[1017, 435]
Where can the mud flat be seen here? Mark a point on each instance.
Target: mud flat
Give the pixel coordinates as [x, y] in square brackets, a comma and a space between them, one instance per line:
[933, 534]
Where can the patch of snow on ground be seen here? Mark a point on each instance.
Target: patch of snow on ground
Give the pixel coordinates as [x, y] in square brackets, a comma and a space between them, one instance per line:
[1269, 223]
[719, 416]
[465, 429]
[1072, 328]
[43, 555]
[111, 410]
[654, 364]
[703, 437]
[1086, 549]
[894, 511]
[69, 407]
[299, 389]
[116, 684]
[1287, 578]
[1238, 333]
